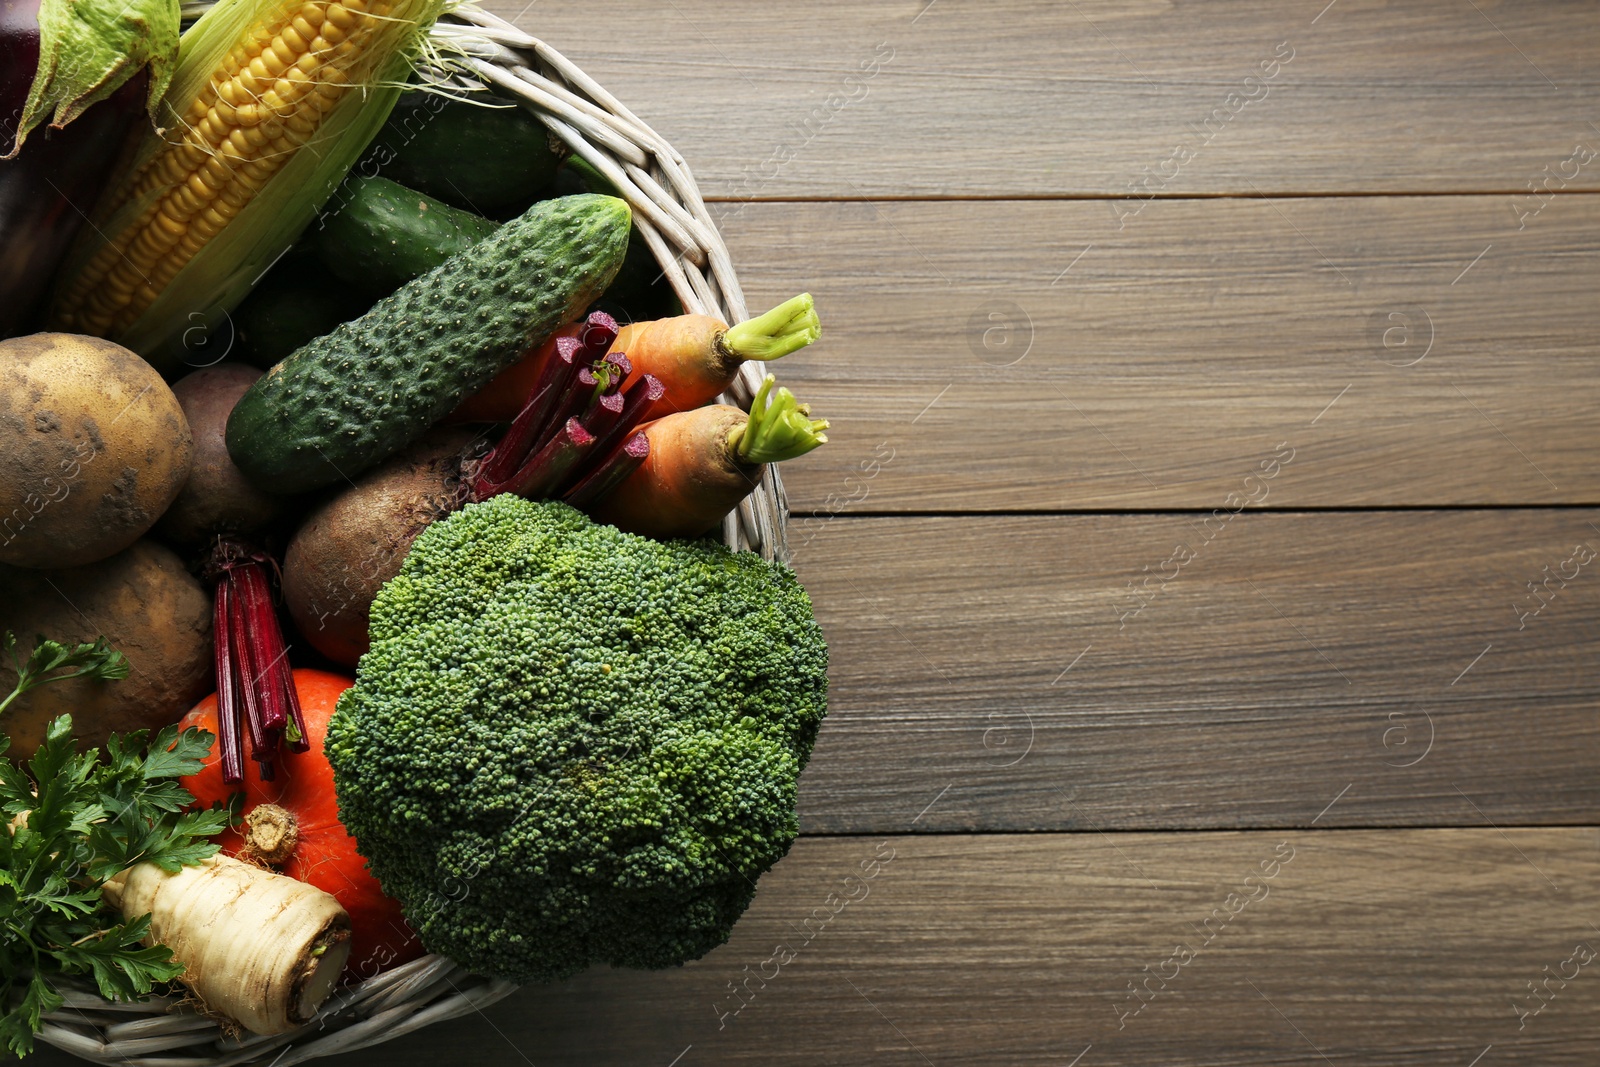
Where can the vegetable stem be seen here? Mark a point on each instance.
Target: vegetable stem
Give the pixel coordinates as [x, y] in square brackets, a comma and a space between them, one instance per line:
[779, 428]
[638, 399]
[610, 472]
[788, 327]
[513, 448]
[86, 659]
[255, 688]
[582, 393]
[607, 411]
[556, 390]
[554, 461]
[230, 745]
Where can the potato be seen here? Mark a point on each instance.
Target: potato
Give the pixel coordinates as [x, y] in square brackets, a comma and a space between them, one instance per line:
[96, 447]
[151, 610]
[216, 498]
[355, 542]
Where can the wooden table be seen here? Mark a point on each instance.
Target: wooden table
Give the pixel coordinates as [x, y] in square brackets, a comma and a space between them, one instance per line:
[1207, 543]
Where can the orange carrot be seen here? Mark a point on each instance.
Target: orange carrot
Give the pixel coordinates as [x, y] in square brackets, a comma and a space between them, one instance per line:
[702, 462]
[697, 356]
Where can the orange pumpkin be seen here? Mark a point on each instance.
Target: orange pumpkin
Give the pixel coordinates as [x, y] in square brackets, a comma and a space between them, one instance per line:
[292, 824]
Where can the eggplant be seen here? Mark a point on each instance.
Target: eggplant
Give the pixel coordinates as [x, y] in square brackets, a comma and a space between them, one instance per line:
[50, 187]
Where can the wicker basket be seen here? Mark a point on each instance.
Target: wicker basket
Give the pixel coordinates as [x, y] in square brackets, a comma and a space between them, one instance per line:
[170, 1032]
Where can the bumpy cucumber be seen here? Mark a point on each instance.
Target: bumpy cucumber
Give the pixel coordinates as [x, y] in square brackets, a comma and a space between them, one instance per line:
[379, 234]
[354, 396]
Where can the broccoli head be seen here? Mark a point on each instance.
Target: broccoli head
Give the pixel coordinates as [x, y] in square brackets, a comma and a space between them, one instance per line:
[571, 745]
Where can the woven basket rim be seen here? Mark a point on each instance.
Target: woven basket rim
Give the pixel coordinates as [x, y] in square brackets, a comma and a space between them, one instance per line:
[672, 217]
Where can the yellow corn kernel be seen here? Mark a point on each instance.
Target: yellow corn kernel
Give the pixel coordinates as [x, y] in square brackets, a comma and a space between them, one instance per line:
[275, 86]
[171, 225]
[286, 55]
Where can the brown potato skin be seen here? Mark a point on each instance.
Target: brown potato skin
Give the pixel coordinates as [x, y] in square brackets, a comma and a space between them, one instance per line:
[147, 605]
[95, 446]
[217, 498]
[355, 542]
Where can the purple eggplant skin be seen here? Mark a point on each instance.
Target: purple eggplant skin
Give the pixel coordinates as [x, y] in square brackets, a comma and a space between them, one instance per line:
[52, 185]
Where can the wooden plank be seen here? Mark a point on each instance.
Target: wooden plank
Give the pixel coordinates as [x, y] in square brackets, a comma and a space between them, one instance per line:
[1094, 97]
[1000, 675]
[1413, 351]
[1378, 948]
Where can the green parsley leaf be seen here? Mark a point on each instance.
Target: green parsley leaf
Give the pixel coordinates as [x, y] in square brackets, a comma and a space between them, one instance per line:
[68, 822]
[52, 661]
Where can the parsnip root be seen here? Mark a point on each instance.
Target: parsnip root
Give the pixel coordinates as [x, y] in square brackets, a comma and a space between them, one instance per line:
[259, 948]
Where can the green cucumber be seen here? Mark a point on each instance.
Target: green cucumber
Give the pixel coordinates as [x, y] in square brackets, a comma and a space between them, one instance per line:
[351, 398]
[380, 234]
[588, 176]
[641, 291]
[491, 159]
[298, 300]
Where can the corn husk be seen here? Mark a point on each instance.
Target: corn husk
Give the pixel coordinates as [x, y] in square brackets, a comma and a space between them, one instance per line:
[197, 300]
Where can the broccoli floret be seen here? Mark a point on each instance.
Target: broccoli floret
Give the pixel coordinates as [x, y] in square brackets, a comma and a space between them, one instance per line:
[572, 745]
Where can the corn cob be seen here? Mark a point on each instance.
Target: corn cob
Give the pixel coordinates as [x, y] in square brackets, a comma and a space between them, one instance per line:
[251, 92]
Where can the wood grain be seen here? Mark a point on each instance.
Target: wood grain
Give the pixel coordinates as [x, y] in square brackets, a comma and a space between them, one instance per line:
[997, 673]
[1379, 948]
[1224, 318]
[1416, 351]
[1023, 98]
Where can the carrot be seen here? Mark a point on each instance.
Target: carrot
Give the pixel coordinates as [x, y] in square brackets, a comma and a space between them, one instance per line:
[702, 462]
[697, 356]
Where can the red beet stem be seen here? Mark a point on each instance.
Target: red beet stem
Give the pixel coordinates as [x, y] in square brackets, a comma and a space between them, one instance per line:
[606, 412]
[546, 470]
[530, 423]
[582, 393]
[256, 697]
[612, 424]
[624, 367]
[610, 472]
[567, 387]
[294, 732]
[264, 643]
[599, 331]
[230, 744]
[637, 400]
[247, 696]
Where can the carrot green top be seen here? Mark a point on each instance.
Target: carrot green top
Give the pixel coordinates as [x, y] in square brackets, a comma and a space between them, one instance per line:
[779, 428]
[791, 325]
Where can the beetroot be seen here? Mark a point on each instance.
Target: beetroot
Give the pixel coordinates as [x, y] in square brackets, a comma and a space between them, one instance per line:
[351, 545]
[217, 498]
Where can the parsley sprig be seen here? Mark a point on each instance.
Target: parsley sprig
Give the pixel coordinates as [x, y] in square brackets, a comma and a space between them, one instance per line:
[68, 822]
[52, 661]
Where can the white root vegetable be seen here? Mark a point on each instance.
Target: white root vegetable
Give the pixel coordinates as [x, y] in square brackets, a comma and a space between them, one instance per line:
[259, 948]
